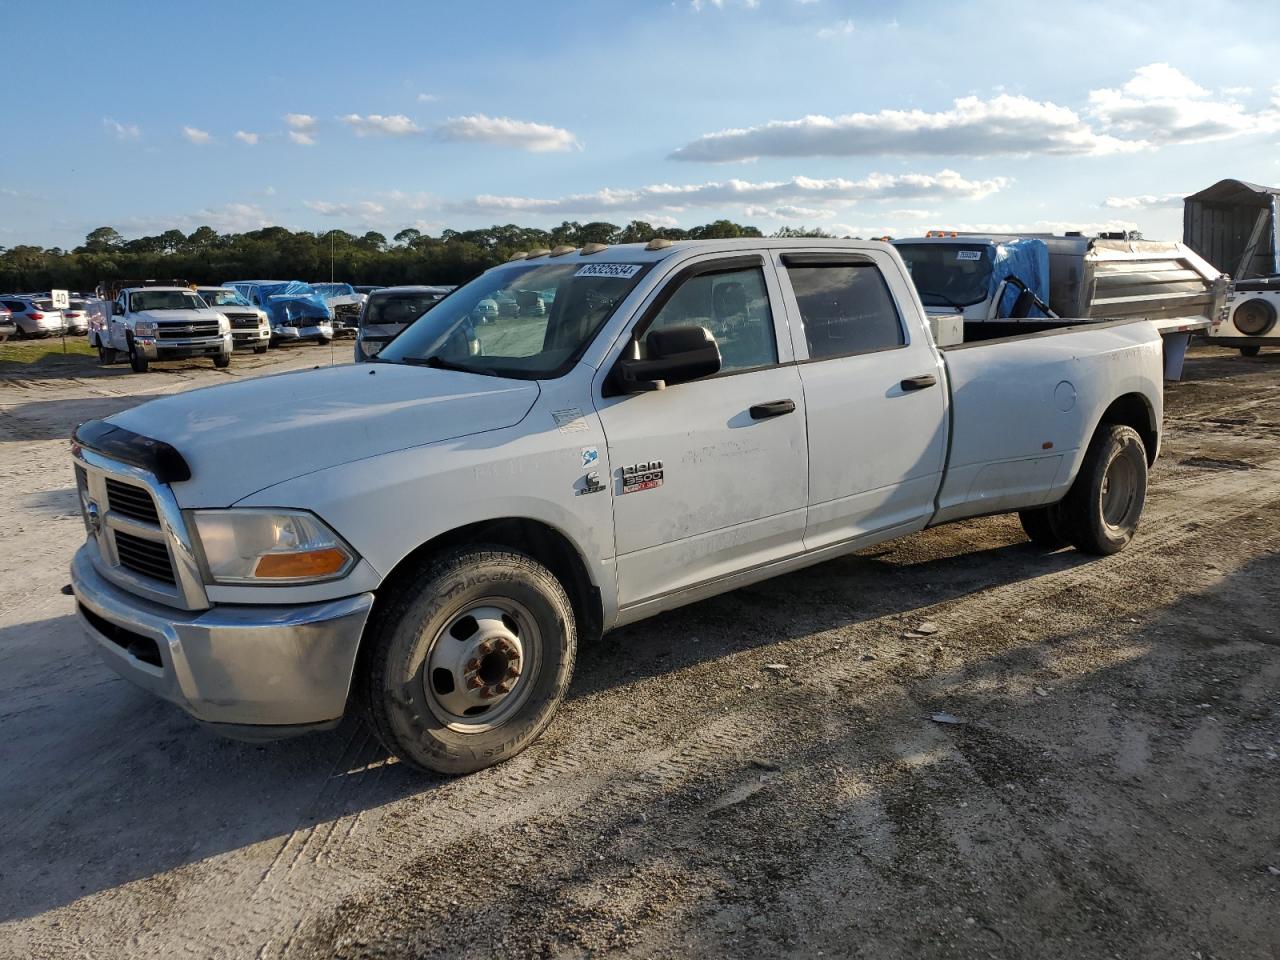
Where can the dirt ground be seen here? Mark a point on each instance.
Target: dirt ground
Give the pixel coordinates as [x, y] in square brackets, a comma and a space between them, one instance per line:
[1113, 789]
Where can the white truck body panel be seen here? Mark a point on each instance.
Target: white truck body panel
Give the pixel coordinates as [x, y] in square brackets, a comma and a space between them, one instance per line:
[394, 456]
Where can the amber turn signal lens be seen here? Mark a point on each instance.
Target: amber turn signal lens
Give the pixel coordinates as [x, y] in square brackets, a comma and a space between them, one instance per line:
[292, 566]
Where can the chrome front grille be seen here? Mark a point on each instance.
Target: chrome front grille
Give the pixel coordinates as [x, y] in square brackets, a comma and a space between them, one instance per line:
[134, 502]
[147, 557]
[138, 529]
[183, 331]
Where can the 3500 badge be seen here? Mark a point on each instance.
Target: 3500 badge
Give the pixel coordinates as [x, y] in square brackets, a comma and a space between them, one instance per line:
[642, 476]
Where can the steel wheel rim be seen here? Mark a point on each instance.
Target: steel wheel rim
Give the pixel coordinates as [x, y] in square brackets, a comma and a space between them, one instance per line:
[1119, 491]
[481, 664]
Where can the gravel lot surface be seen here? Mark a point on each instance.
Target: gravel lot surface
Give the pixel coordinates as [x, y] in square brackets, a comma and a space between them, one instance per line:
[753, 776]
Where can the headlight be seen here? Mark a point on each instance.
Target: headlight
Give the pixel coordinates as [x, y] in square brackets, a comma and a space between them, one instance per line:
[145, 328]
[269, 546]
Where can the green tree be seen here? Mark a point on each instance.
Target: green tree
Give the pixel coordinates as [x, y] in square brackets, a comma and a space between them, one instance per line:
[102, 240]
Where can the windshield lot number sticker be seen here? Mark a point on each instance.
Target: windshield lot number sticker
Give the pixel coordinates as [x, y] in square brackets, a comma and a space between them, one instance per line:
[968, 254]
[619, 271]
[642, 476]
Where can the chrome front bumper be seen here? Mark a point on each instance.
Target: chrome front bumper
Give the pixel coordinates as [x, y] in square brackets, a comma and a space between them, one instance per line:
[155, 349]
[265, 671]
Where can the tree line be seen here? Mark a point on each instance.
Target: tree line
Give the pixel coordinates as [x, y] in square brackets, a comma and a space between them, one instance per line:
[276, 253]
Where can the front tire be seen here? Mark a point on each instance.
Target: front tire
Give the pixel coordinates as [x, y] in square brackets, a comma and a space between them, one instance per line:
[222, 361]
[261, 349]
[470, 656]
[107, 356]
[1100, 513]
[1249, 351]
[137, 360]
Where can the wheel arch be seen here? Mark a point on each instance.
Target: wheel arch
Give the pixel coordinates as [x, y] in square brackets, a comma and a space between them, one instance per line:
[541, 541]
[1134, 410]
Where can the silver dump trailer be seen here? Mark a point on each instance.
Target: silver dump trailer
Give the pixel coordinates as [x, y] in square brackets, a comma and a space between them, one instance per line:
[1089, 279]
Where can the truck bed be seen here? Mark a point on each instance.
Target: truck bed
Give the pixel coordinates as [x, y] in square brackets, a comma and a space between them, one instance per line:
[1019, 403]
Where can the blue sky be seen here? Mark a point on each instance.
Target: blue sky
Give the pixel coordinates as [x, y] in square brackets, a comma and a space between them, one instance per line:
[859, 117]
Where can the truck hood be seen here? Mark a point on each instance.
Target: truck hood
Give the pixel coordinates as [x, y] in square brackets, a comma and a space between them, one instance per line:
[242, 437]
[177, 316]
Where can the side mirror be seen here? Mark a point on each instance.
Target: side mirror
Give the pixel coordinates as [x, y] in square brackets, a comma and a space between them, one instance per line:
[676, 355]
[117, 309]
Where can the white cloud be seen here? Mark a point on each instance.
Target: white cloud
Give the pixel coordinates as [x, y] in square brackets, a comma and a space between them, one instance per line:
[787, 212]
[1243, 91]
[427, 98]
[1162, 105]
[244, 136]
[415, 202]
[658, 220]
[800, 191]
[302, 127]
[1158, 105]
[975, 127]
[230, 218]
[842, 28]
[363, 209]
[196, 135]
[534, 137]
[375, 124]
[121, 131]
[1145, 201]
[699, 5]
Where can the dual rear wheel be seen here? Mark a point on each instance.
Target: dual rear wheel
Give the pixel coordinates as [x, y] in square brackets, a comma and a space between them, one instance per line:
[1100, 512]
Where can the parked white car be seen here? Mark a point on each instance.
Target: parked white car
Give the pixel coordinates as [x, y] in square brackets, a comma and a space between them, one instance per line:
[34, 317]
[686, 419]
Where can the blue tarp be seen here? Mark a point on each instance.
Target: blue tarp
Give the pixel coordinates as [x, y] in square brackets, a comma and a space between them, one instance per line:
[1028, 260]
[283, 300]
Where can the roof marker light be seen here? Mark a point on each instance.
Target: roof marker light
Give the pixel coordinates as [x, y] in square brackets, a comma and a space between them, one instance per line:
[657, 243]
[590, 248]
[563, 249]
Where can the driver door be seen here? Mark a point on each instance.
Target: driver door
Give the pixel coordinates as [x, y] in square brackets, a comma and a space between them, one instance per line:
[709, 476]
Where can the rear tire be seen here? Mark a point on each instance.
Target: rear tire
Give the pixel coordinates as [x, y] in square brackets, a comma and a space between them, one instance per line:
[1100, 513]
[1043, 527]
[1249, 351]
[433, 696]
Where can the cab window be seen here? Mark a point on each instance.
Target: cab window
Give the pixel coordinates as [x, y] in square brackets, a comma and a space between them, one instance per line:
[734, 306]
[845, 308]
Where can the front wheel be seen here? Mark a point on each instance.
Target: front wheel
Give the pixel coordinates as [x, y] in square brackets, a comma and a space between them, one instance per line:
[469, 659]
[137, 359]
[222, 361]
[261, 349]
[1249, 351]
[1100, 513]
[106, 356]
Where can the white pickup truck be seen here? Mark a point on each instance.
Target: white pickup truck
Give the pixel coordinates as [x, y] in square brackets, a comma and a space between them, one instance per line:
[159, 322]
[437, 532]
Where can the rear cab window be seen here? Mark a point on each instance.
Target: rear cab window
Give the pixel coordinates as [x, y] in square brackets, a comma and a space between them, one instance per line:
[845, 306]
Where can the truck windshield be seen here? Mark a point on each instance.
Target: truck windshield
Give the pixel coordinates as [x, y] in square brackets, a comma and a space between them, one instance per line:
[530, 320]
[164, 300]
[947, 274]
[223, 298]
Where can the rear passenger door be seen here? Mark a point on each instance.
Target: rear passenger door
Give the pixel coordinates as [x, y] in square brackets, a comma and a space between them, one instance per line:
[874, 393]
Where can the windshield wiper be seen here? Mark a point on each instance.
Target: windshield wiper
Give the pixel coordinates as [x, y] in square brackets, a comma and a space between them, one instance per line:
[439, 363]
[946, 300]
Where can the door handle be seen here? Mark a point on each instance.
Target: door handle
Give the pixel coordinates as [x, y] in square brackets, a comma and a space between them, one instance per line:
[920, 382]
[774, 408]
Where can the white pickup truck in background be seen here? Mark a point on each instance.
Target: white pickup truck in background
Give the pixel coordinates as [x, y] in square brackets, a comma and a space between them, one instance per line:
[679, 420]
[159, 321]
